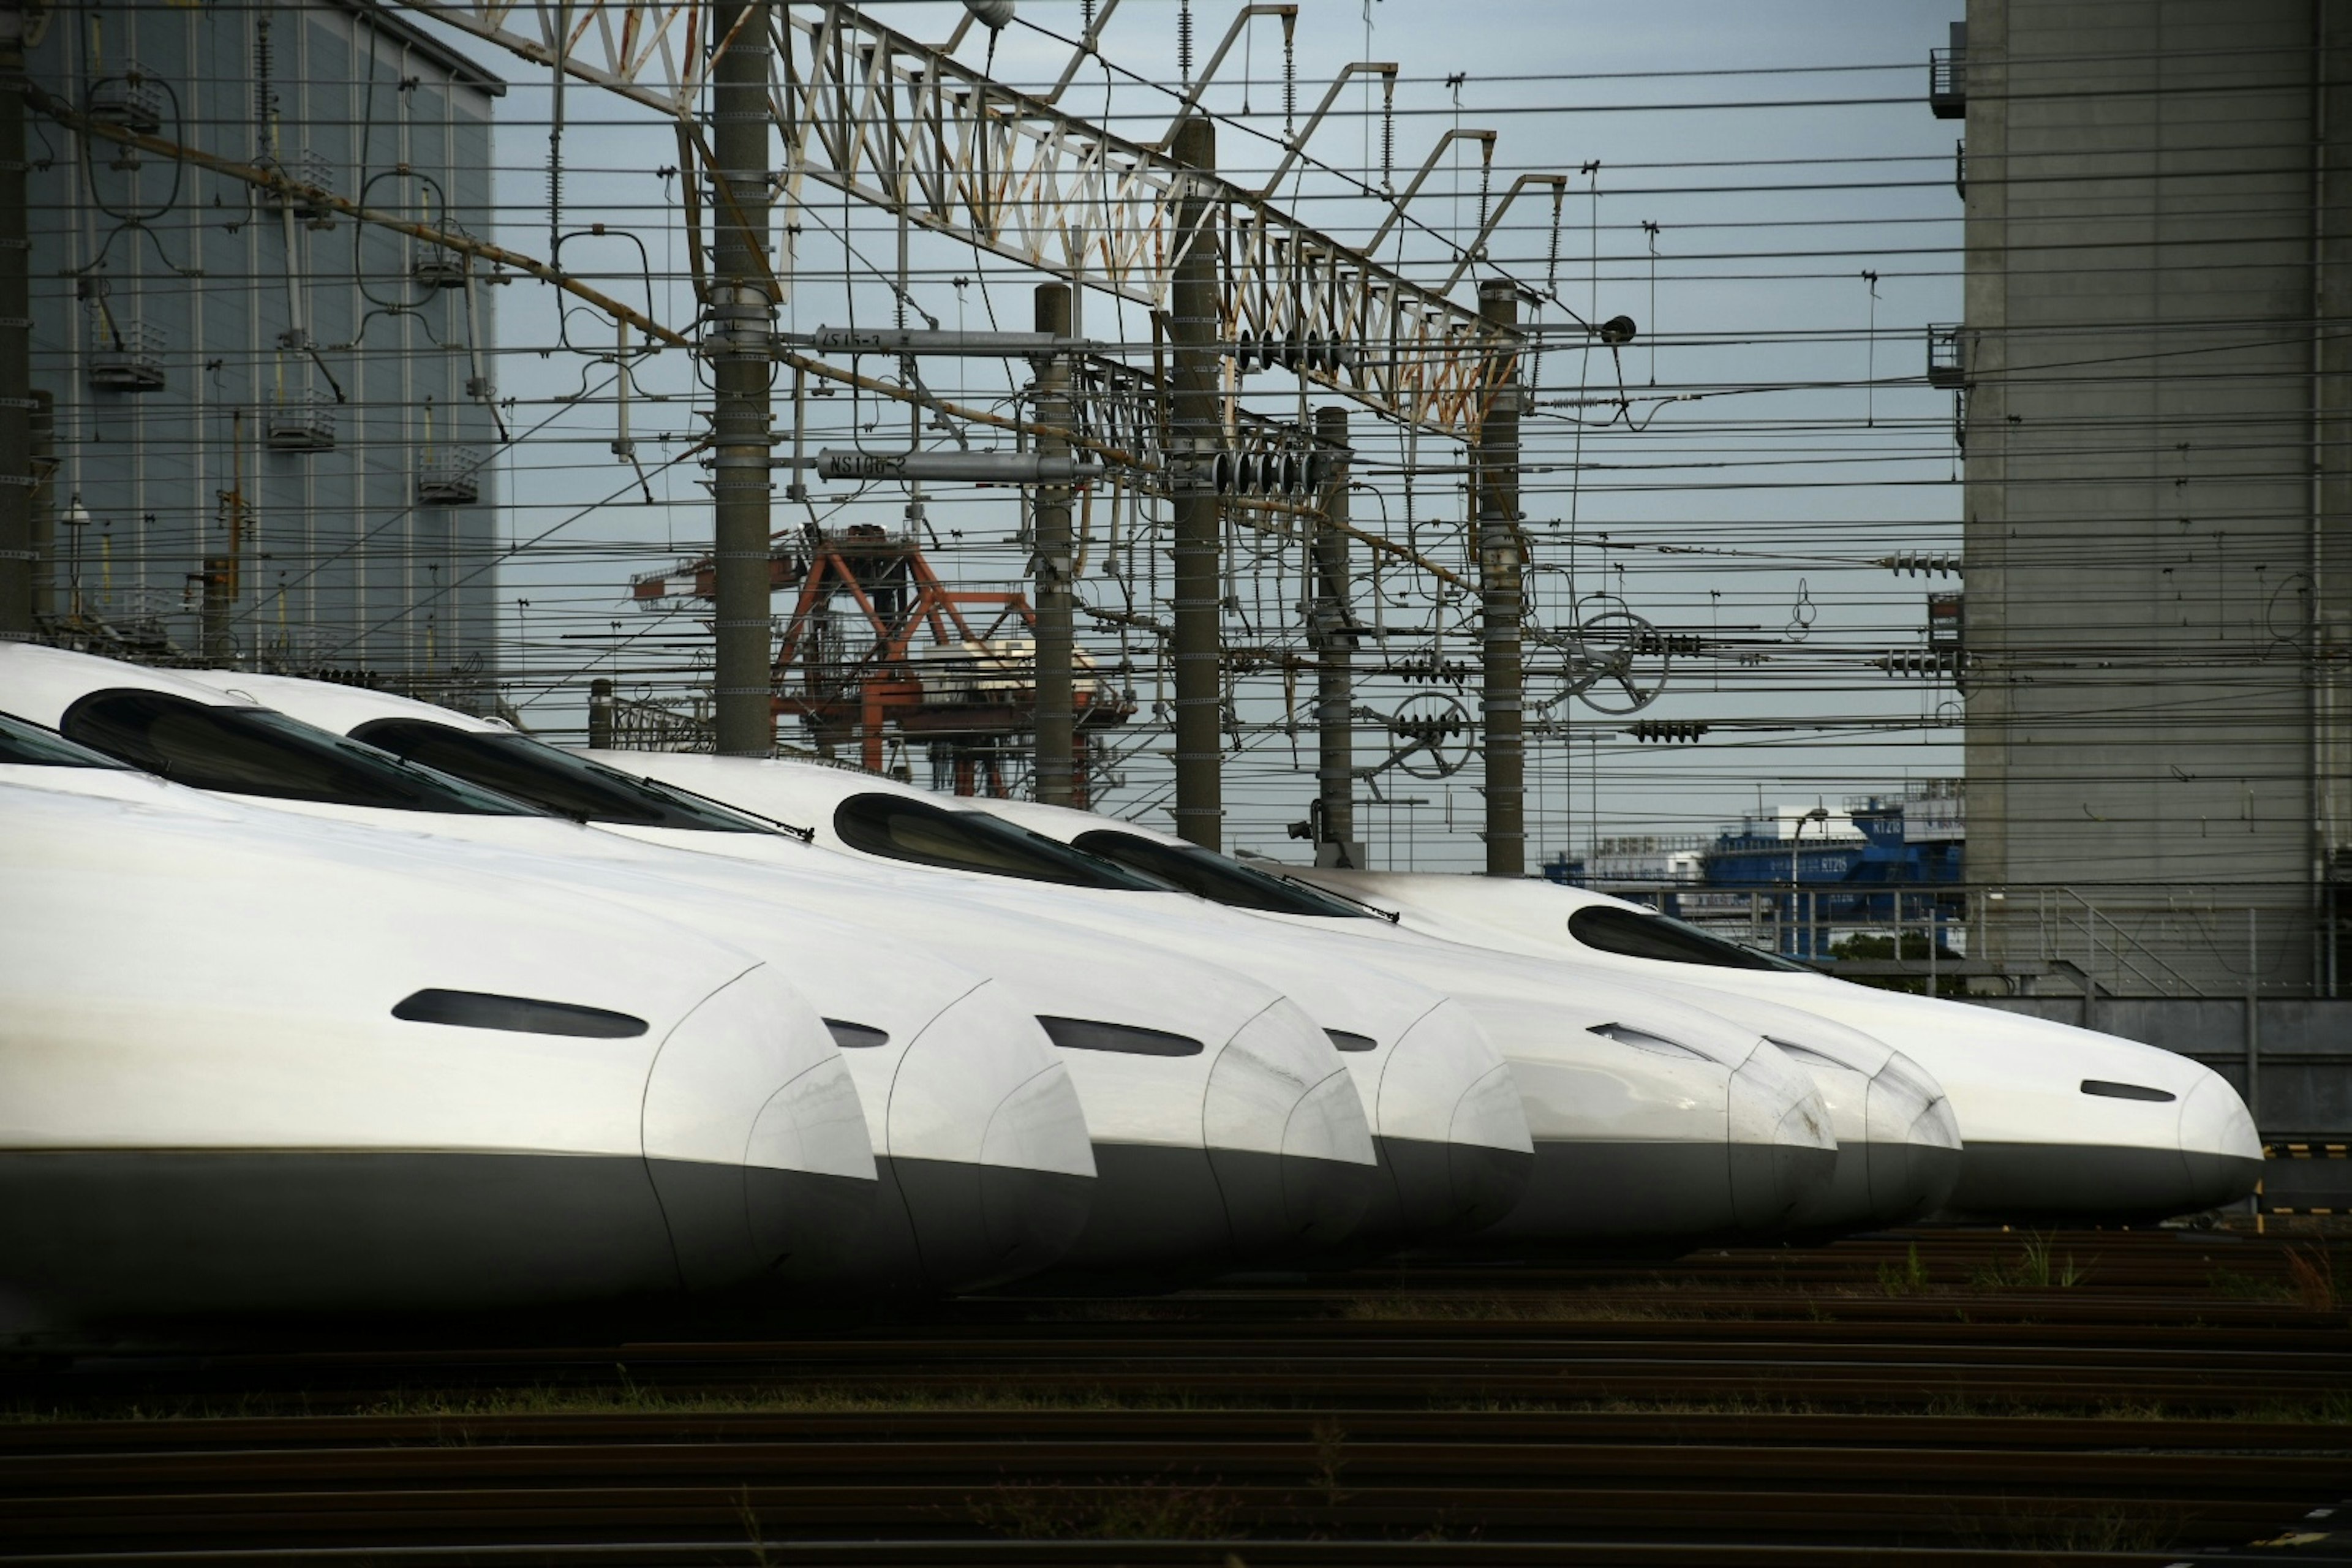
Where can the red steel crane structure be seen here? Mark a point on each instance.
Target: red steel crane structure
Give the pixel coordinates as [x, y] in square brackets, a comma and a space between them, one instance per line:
[877, 647]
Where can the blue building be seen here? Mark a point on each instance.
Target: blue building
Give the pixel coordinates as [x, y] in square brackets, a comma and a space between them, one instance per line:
[1814, 875]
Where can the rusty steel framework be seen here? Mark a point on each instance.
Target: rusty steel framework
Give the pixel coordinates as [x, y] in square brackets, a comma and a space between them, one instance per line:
[931, 661]
[901, 124]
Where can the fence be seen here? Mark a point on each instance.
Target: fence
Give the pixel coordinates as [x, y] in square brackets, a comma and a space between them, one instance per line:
[2032, 940]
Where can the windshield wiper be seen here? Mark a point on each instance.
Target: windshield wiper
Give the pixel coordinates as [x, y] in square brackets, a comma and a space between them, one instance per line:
[1394, 917]
[805, 834]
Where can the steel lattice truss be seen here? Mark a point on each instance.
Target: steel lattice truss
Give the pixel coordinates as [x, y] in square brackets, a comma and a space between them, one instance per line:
[897, 122]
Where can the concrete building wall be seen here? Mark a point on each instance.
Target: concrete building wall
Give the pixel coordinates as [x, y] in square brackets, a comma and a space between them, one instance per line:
[343, 564]
[2155, 244]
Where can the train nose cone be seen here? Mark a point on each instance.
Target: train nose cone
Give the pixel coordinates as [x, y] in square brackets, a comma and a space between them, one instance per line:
[1288, 1141]
[1913, 1141]
[2219, 1145]
[1783, 1153]
[987, 1148]
[755, 1139]
[1453, 1141]
[1844, 1202]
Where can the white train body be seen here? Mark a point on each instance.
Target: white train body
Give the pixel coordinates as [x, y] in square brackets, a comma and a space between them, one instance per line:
[1452, 1144]
[2058, 1121]
[1703, 1129]
[1897, 1141]
[1249, 1141]
[252, 1063]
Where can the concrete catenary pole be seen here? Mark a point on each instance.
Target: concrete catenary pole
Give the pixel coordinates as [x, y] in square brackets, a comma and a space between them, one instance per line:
[45, 505]
[1197, 432]
[1057, 599]
[15, 345]
[1335, 770]
[742, 319]
[1495, 464]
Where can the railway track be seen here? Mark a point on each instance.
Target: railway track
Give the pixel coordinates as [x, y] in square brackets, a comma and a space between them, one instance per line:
[1954, 1397]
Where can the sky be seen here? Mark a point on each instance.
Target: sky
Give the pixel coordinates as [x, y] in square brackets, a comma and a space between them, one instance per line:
[1762, 189]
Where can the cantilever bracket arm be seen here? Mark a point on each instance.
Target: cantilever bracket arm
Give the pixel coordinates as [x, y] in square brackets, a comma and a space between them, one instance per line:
[1298, 143]
[1558, 183]
[1485, 139]
[1289, 15]
[1084, 52]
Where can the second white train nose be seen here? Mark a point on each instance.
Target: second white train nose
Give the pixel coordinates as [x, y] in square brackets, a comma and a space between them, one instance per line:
[987, 1148]
[1781, 1152]
[755, 1139]
[986, 1171]
[1913, 1142]
[1456, 1151]
[1288, 1141]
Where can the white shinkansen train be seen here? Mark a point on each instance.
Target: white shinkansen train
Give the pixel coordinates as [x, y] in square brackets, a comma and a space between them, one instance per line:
[252, 1063]
[2058, 1121]
[1650, 1118]
[1710, 1133]
[1222, 1122]
[1452, 1141]
[1898, 1142]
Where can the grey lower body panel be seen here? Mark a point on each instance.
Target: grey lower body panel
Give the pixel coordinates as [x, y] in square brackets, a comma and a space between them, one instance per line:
[1428, 1189]
[1161, 1215]
[2075, 1181]
[1772, 1184]
[1877, 1185]
[1662, 1193]
[945, 1225]
[104, 1233]
[1594, 1191]
[734, 1224]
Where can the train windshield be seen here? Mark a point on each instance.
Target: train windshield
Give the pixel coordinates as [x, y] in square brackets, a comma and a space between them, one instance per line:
[26, 744]
[555, 780]
[897, 828]
[253, 751]
[1632, 934]
[1213, 877]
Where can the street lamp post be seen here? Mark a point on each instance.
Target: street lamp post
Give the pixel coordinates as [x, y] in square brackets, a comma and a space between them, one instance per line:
[1819, 813]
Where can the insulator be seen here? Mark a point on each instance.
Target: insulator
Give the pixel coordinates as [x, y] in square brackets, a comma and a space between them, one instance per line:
[1294, 475]
[994, 15]
[1226, 474]
[1184, 40]
[1290, 351]
[1289, 79]
[1388, 135]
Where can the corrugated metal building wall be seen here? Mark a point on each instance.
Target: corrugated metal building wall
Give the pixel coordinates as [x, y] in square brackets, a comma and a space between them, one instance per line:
[2157, 242]
[203, 345]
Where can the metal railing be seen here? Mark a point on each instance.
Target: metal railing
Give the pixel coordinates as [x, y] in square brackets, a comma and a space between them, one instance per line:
[2041, 940]
[1947, 83]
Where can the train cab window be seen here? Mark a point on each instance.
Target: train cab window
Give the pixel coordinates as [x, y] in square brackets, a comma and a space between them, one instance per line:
[897, 828]
[554, 780]
[26, 744]
[1213, 877]
[253, 751]
[1631, 934]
